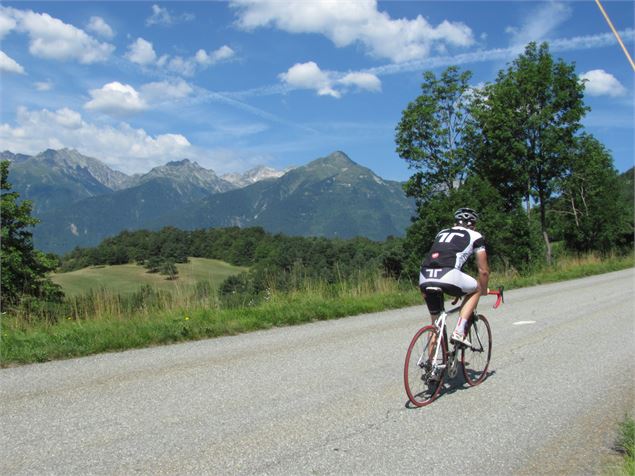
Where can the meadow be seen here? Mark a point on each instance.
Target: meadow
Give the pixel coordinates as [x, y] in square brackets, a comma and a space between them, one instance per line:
[129, 278]
[104, 321]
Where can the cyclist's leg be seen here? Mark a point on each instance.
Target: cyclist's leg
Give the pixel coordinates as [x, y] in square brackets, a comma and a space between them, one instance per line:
[465, 314]
[470, 289]
[434, 303]
[470, 301]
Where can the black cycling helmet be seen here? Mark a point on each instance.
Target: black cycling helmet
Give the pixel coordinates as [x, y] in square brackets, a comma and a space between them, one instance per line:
[466, 216]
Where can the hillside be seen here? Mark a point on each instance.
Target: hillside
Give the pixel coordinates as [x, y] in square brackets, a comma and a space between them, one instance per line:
[128, 278]
[57, 178]
[331, 196]
[89, 221]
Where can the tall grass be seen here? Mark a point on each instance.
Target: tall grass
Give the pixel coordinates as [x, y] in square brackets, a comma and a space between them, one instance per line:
[102, 321]
[625, 445]
[565, 266]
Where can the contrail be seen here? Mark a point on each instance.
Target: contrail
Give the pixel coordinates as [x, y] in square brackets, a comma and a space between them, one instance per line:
[495, 54]
[498, 54]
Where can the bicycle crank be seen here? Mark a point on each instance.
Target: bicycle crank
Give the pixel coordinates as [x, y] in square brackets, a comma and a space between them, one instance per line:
[453, 364]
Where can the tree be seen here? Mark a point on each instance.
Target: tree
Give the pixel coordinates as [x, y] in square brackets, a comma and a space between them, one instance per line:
[594, 215]
[153, 264]
[430, 135]
[169, 269]
[23, 268]
[511, 242]
[527, 123]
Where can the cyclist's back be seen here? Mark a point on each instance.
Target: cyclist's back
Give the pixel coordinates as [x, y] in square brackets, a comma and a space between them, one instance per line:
[452, 247]
[441, 268]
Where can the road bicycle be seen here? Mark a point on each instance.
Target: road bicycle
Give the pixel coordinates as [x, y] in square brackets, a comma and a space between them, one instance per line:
[429, 360]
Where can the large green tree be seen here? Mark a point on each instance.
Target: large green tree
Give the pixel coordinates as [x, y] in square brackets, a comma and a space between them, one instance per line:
[511, 241]
[430, 135]
[23, 268]
[528, 120]
[594, 214]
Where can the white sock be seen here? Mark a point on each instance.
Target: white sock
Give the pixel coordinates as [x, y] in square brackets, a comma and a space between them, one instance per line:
[460, 326]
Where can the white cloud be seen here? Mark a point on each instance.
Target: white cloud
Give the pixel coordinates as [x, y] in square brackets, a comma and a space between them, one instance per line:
[221, 54]
[540, 23]
[503, 54]
[366, 81]
[9, 65]
[141, 52]
[326, 83]
[183, 66]
[116, 99]
[51, 38]
[99, 26]
[43, 85]
[600, 83]
[156, 92]
[7, 23]
[202, 59]
[309, 76]
[161, 16]
[346, 23]
[121, 146]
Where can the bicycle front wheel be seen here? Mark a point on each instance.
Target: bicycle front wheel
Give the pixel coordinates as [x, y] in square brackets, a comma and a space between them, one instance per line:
[420, 387]
[475, 358]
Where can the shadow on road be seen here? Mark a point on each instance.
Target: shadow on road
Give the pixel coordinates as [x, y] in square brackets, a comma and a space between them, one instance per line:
[450, 386]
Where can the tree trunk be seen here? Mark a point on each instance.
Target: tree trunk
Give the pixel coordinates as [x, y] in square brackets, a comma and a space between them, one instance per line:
[548, 245]
[543, 225]
[575, 212]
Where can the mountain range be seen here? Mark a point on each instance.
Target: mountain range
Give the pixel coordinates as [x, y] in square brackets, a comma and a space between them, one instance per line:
[80, 201]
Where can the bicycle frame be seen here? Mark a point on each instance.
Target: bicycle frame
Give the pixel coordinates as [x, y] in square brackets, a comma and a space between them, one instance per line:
[440, 325]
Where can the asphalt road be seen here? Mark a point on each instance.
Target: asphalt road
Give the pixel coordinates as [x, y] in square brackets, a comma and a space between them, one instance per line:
[328, 398]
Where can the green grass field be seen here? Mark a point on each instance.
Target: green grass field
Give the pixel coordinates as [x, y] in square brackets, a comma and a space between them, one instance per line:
[127, 278]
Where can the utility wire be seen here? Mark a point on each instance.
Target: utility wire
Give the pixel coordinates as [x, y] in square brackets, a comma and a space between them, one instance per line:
[617, 35]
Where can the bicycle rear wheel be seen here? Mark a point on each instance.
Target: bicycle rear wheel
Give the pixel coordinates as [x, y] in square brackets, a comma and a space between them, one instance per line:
[421, 390]
[475, 358]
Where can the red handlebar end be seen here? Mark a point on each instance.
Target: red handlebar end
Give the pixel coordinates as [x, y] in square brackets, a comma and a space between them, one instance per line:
[499, 294]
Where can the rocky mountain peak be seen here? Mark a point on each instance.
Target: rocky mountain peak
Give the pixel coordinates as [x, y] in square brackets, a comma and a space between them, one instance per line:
[181, 163]
[253, 175]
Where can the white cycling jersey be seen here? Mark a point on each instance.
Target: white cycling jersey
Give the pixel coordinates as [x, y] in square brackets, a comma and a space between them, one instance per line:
[442, 265]
[452, 247]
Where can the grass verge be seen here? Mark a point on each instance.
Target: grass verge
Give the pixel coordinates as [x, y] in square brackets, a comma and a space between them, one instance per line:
[78, 338]
[22, 342]
[625, 445]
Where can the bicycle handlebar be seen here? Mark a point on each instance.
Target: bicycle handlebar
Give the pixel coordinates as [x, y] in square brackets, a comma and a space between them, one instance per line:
[499, 294]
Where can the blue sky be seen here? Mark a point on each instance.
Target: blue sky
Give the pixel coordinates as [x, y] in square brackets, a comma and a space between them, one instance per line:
[241, 83]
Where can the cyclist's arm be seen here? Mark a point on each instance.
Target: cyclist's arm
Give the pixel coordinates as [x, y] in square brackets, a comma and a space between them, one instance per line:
[483, 270]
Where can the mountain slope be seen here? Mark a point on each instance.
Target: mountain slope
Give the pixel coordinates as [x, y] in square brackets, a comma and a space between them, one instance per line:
[252, 176]
[331, 196]
[56, 178]
[188, 173]
[89, 221]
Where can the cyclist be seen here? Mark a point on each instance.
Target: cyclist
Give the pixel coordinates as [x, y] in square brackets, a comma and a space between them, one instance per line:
[442, 268]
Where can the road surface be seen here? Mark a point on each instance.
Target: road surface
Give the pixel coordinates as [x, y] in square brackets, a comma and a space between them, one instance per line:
[328, 398]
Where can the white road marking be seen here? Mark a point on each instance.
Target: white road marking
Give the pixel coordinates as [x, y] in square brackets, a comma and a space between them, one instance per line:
[524, 323]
